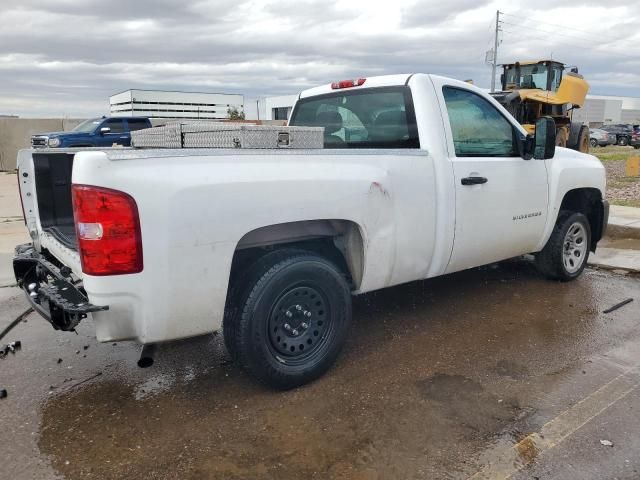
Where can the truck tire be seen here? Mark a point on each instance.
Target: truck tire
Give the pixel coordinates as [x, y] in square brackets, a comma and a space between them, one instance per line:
[291, 319]
[239, 279]
[567, 251]
[561, 137]
[583, 140]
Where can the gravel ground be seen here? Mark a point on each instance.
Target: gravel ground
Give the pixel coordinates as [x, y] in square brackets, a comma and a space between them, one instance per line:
[621, 190]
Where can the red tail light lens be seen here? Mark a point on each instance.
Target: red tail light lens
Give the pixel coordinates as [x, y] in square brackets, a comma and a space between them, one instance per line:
[107, 230]
[348, 83]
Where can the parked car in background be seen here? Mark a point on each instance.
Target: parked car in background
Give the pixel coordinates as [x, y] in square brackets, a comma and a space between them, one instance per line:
[622, 132]
[95, 132]
[601, 138]
[635, 137]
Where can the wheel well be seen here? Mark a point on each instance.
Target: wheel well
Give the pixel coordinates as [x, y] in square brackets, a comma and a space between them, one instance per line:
[589, 202]
[337, 240]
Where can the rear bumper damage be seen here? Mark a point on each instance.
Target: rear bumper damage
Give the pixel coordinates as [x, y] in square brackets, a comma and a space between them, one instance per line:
[51, 289]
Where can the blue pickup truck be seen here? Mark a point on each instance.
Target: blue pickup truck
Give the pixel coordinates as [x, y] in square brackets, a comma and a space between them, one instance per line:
[95, 132]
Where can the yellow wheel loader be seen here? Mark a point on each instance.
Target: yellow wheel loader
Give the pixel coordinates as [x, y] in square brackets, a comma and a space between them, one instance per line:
[531, 90]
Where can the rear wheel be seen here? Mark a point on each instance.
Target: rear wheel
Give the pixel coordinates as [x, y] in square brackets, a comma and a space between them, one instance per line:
[623, 141]
[593, 142]
[566, 253]
[291, 319]
[561, 137]
[583, 140]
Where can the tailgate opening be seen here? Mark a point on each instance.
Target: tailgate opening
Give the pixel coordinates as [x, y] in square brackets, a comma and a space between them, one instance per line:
[53, 187]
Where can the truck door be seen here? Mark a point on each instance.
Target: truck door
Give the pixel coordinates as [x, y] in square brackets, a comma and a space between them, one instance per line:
[501, 199]
[117, 133]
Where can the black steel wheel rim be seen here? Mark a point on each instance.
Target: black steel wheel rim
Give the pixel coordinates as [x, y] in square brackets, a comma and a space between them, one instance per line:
[299, 324]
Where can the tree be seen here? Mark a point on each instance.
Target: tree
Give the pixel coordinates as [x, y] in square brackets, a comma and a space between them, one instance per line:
[234, 114]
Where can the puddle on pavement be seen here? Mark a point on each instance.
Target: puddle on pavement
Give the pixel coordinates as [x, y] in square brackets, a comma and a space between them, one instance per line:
[432, 372]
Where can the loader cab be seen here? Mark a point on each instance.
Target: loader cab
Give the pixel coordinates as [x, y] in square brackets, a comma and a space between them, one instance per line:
[542, 75]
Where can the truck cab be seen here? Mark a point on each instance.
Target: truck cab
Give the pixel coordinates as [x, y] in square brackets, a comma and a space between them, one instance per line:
[95, 132]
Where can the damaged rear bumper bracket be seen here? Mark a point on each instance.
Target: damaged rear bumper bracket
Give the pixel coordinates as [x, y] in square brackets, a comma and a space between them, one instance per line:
[51, 292]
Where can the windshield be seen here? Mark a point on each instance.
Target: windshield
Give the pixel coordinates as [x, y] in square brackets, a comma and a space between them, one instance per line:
[533, 76]
[88, 125]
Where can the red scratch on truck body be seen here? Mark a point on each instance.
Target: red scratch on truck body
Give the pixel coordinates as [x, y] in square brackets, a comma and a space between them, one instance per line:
[378, 186]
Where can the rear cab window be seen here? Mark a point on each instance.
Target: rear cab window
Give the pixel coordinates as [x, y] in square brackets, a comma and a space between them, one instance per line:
[364, 118]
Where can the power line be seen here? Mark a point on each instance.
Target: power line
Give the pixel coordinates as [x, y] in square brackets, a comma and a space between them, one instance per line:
[598, 50]
[521, 25]
[564, 27]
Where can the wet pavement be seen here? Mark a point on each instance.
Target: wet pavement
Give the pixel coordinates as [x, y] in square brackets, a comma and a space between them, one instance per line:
[488, 373]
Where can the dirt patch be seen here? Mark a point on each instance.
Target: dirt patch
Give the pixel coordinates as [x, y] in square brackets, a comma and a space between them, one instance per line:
[621, 190]
[468, 403]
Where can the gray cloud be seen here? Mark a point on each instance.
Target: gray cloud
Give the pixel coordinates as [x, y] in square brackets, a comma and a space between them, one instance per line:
[67, 57]
[421, 14]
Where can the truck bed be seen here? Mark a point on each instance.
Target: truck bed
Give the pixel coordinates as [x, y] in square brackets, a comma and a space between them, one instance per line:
[53, 183]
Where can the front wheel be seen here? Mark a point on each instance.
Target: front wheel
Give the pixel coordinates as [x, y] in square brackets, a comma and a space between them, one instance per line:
[623, 142]
[593, 142]
[566, 253]
[292, 319]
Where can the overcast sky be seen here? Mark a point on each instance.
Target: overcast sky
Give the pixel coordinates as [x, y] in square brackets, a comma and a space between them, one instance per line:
[65, 57]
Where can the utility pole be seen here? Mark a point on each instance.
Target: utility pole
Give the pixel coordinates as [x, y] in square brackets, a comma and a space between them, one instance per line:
[494, 64]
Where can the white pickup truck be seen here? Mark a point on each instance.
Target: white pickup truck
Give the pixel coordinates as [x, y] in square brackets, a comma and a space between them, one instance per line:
[420, 176]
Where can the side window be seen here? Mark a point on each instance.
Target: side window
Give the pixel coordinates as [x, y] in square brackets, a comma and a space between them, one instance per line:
[116, 125]
[478, 128]
[137, 124]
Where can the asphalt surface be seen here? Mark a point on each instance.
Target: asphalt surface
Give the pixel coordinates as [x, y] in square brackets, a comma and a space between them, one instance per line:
[489, 373]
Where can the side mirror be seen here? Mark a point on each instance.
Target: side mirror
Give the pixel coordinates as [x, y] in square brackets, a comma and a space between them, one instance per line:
[104, 130]
[545, 139]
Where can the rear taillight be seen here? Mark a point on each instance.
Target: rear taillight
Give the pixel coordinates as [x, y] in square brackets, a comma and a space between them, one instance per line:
[108, 231]
[348, 83]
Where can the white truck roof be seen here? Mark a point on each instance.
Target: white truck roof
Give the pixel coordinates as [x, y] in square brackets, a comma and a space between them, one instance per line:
[379, 81]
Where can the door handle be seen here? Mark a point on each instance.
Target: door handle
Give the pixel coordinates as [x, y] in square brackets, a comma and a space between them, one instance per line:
[474, 180]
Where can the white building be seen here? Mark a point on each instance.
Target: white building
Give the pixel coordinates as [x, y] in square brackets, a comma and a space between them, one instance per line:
[277, 108]
[603, 109]
[167, 104]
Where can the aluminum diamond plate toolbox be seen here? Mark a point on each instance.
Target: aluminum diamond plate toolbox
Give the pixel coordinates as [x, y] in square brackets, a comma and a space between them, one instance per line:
[227, 135]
